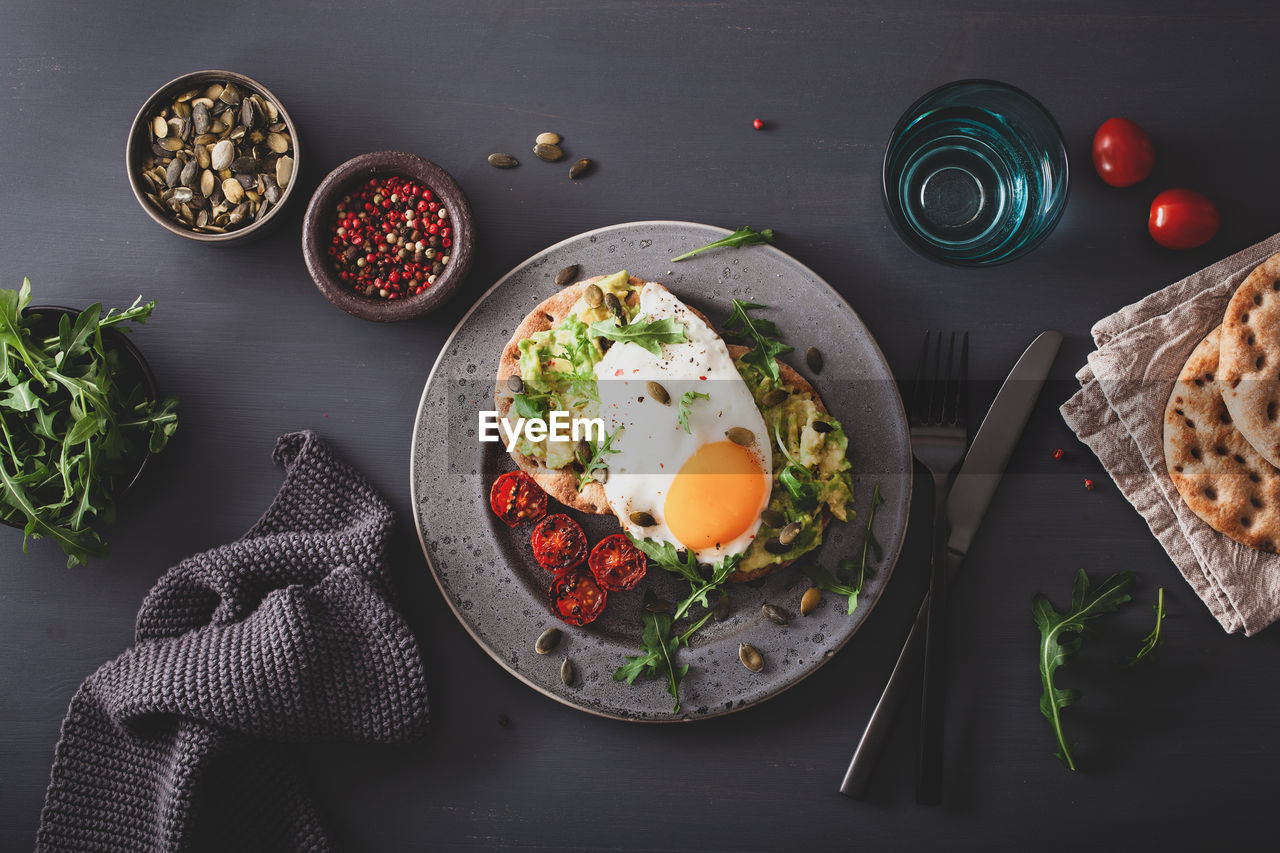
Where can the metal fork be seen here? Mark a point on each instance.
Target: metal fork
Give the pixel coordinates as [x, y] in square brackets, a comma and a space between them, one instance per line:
[938, 439]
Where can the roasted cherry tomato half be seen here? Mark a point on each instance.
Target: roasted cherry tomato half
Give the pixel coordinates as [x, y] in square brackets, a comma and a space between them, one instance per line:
[1122, 152]
[1183, 219]
[616, 564]
[577, 598]
[559, 543]
[516, 498]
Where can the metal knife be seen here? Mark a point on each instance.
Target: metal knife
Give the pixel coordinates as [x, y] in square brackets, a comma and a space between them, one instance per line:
[974, 486]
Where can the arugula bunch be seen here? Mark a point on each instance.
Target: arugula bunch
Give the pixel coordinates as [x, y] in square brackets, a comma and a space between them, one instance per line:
[658, 646]
[69, 434]
[1054, 651]
[762, 335]
[650, 334]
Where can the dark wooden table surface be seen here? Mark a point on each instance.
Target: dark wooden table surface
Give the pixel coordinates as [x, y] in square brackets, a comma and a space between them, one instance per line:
[662, 96]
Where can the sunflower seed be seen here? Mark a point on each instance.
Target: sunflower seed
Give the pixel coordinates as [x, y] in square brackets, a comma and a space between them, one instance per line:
[640, 518]
[567, 275]
[741, 436]
[776, 614]
[750, 657]
[788, 534]
[548, 138]
[503, 161]
[821, 426]
[566, 672]
[579, 168]
[775, 397]
[813, 358]
[547, 641]
[720, 611]
[810, 600]
[772, 517]
[657, 392]
[515, 383]
[550, 153]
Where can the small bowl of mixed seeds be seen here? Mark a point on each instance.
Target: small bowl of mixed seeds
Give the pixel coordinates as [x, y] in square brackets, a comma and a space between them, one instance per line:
[212, 157]
[388, 236]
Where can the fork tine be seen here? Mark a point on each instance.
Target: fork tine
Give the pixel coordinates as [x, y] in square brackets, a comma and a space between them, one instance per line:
[919, 399]
[946, 413]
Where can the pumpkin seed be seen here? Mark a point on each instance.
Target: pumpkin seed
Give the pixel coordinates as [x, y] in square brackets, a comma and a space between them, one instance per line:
[658, 605]
[821, 426]
[222, 155]
[772, 517]
[776, 614]
[177, 127]
[810, 600]
[741, 436]
[515, 383]
[200, 118]
[550, 153]
[548, 138]
[189, 172]
[232, 190]
[278, 142]
[593, 296]
[788, 534]
[245, 165]
[614, 305]
[566, 672]
[657, 392]
[579, 168]
[813, 358]
[160, 127]
[600, 475]
[640, 518]
[547, 641]
[775, 397]
[720, 611]
[750, 657]
[284, 171]
[775, 546]
[172, 143]
[503, 161]
[229, 95]
[567, 275]
[249, 115]
[604, 344]
[173, 173]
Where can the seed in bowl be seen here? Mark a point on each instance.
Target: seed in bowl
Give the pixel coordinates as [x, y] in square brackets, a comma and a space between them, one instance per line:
[390, 238]
[221, 157]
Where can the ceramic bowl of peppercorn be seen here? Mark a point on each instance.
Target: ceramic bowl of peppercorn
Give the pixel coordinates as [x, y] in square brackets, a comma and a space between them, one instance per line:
[388, 236]
[212, 157]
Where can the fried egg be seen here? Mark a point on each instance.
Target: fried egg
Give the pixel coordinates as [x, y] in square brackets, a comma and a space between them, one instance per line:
[703, 491]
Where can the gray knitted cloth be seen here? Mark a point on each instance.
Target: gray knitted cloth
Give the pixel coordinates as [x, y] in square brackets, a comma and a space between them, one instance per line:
[286, 636]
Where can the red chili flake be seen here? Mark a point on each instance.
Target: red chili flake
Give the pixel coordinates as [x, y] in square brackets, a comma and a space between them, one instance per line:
[387, 238]
[1058, 453]
[618, 372]
[1088, 484]
[758, 124]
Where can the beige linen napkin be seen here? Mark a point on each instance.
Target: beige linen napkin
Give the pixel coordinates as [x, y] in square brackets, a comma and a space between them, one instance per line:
[1119, 414]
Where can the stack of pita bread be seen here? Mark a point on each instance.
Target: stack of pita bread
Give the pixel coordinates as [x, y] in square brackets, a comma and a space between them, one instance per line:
[1222, 421]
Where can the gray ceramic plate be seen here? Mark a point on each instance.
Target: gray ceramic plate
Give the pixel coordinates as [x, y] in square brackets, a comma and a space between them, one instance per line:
[486, 571]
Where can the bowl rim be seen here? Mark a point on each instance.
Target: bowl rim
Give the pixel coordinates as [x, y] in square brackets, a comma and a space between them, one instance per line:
[924, 249]
[133, 149]
[362, 167]
[120, 341]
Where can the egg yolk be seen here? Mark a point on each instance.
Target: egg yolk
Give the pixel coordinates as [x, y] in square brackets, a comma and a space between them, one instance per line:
[716, 496]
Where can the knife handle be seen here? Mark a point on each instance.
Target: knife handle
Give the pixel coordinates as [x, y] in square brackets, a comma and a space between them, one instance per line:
[931, 752]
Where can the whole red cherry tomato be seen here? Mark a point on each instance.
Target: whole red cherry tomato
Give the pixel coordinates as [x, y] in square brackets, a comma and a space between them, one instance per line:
[515, 498]
[617, 564]
[1122, 152]
[559, 543]
[577, 598]
[1183, 219]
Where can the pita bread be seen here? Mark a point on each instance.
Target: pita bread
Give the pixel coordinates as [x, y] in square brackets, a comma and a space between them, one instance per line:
[1250, 359]
[1219, 474]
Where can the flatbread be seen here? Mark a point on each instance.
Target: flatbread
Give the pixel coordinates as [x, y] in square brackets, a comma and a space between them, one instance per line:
[1219, 474]
[1250, 361]
[562, 483]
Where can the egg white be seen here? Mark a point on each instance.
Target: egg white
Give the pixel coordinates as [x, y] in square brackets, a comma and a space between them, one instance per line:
[652, 446]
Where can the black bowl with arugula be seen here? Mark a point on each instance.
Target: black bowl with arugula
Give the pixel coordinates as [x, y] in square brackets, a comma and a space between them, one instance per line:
[80, 414]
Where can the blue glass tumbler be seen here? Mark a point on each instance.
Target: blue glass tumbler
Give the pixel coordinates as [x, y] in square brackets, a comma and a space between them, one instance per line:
[975, 174]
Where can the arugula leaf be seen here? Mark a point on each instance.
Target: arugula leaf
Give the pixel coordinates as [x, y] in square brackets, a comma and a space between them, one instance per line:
[1156, 637]
[869, 541]
[650, 334]
[686, 400]
[1054, 651]
[827, 582]
[744, 236]
[596, 462]
[530, 406]
[70, 434]
[762, 335]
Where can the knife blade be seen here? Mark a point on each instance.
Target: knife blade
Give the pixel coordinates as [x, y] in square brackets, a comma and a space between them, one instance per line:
[974, 487]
